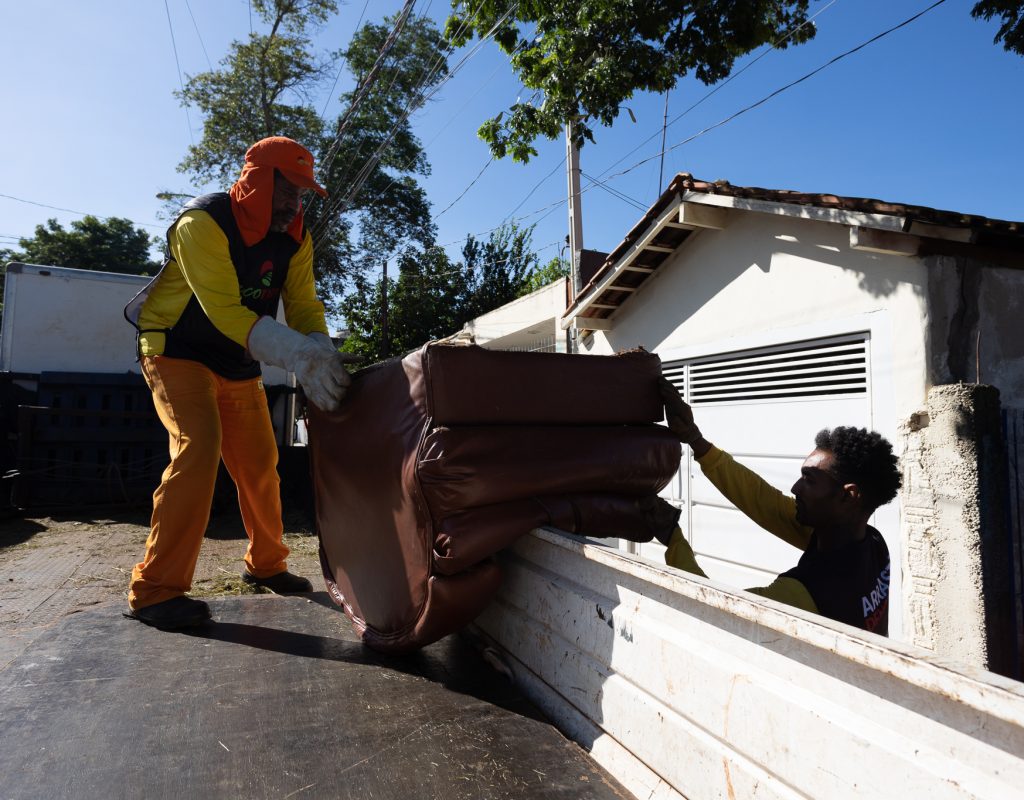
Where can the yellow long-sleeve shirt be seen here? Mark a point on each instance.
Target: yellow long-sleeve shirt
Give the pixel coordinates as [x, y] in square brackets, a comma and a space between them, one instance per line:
[201, 265]
[764, 504]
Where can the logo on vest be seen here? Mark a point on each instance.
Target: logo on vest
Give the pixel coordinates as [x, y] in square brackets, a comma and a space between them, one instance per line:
[265, 290]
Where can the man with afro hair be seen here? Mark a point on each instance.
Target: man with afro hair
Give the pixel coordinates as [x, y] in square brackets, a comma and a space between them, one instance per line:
[843, 573]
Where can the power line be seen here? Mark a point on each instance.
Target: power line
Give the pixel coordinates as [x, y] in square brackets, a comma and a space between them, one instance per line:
[341, 204]
[177, 63]
[199, 35]
[338, 206]
[395, 179]
[341, 65]
[449, 121]
[550, 208]
[779, 91]
[426, 74]
[463, 194]
[363, 89]
[80, 213]
[773, 46]
[536, 186]
[615, 192]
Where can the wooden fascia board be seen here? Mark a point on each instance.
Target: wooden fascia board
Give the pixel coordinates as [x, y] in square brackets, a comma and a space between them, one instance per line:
[694, 216]
[839, 216]
[671, 213]
[854, 219]
[928, 231]
[591, 324]
[886, 242]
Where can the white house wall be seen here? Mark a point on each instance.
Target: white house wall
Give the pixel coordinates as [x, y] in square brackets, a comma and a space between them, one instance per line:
[769, 279]
[523, 323]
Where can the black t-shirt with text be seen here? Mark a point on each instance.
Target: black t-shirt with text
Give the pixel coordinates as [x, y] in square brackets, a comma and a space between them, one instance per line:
[849, 584]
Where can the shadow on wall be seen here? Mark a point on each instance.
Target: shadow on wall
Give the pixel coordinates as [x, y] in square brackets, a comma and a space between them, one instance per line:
[711, 262]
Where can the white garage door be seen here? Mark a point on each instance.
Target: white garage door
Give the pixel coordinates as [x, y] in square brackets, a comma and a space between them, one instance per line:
[764, 407]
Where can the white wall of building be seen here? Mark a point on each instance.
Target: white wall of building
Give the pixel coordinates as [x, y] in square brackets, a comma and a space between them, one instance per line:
[771, 279]
[530, 322]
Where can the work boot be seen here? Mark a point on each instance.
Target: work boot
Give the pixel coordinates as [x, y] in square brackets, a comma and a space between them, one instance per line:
[174, 614]
[281, 583]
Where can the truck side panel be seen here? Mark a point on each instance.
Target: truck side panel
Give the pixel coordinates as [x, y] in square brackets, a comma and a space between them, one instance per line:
[683, 688]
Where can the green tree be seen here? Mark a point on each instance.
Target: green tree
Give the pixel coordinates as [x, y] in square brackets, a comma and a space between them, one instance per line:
[555, 269]
[264, 87]
[1011, 29]
[425, 302]
[497, 269]
[111, 245]
[585, 58]
[433, 296]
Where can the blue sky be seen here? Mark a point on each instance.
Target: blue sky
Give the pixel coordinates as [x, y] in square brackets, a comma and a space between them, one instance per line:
[932, 114]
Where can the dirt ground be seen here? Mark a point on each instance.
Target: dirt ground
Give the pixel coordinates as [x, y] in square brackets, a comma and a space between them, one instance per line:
[52, 566]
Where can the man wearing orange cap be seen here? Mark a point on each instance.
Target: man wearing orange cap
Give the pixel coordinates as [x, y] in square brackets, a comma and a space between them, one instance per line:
[205, 323]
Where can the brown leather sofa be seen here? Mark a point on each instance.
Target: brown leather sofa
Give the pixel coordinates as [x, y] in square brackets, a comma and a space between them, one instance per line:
[438, 460]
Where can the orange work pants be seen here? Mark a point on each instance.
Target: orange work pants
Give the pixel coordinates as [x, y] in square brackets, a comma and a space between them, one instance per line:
[208, 418]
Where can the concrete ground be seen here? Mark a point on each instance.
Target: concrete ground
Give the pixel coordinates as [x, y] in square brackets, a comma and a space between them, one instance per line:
[61, 564]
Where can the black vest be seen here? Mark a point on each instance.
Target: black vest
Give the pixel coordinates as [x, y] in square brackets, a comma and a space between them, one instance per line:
[261, 269]
[850, 584]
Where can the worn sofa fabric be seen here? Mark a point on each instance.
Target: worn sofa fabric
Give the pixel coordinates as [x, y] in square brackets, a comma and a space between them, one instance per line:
[438, 460]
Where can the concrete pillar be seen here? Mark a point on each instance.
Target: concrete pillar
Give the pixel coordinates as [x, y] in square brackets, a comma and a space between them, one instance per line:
[956, 575]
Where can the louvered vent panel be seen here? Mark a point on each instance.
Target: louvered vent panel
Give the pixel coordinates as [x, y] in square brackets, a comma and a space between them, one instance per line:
[837, 366]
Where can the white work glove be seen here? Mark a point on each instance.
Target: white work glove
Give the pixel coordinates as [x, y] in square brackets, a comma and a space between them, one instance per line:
[317, 364]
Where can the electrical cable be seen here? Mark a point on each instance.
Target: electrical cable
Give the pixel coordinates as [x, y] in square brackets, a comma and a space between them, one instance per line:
[744, 110]
[551, 207]
[81, 213]
[202, 44]
[340, 205]
[457, 199]
[773, 46]
[181, 83]
[536, 186]
[779, 91]
[448, 122]
[428, 74]
[615, 192]
[363, 89]
[341, 65]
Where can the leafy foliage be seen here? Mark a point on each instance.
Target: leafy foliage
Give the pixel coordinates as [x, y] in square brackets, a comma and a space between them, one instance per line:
[497, 269]
[1011, 30]
[585, 58]
[542, 276]
[109, 245]
[433, 297]
[264, 87]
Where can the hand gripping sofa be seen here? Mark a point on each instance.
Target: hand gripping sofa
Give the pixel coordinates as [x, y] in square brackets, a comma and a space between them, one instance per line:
[438, 460]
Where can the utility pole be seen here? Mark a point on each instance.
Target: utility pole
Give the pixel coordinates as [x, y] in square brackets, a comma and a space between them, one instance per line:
[384, 313]
[661, 169]
[572, 164]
